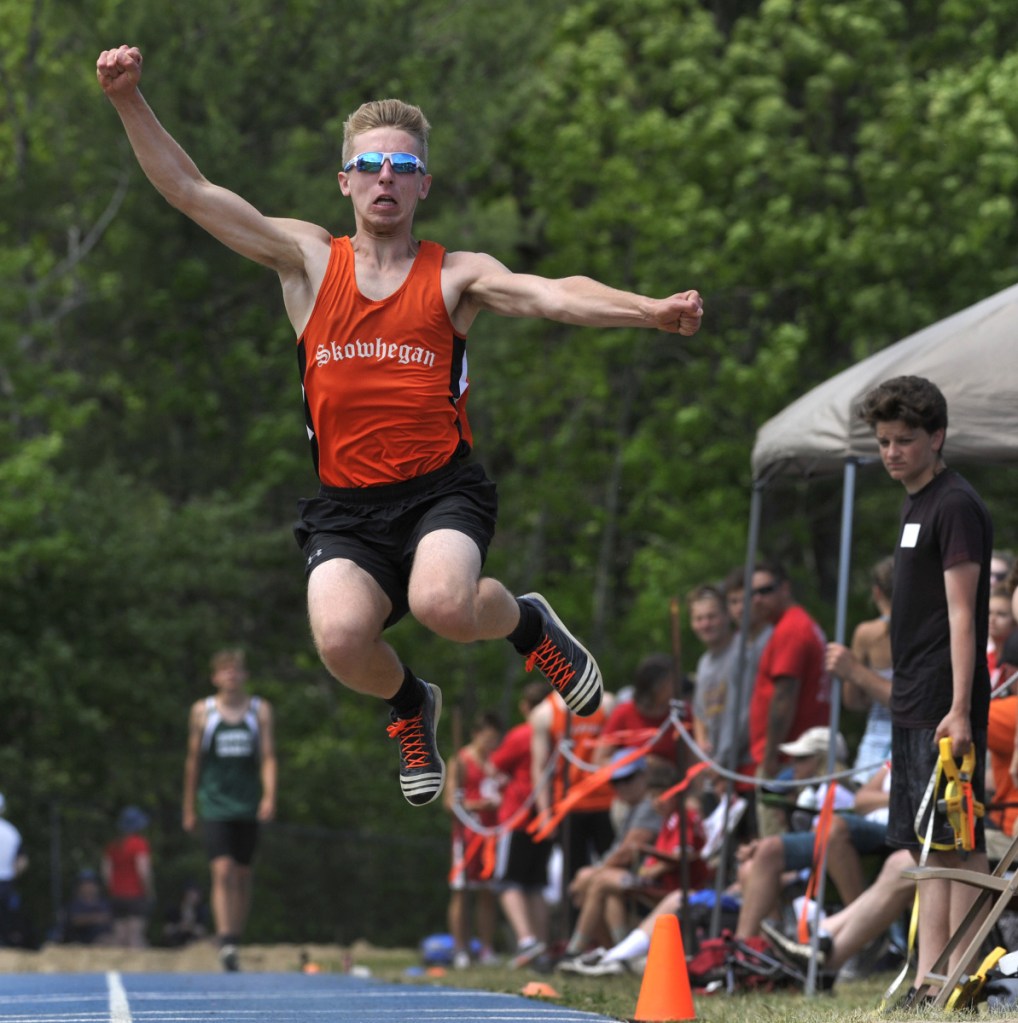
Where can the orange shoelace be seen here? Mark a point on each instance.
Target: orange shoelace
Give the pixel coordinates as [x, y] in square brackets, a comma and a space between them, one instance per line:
[555, 668]
[410, 733]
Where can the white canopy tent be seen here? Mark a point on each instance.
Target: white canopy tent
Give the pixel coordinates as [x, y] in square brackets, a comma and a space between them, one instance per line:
[971, 356]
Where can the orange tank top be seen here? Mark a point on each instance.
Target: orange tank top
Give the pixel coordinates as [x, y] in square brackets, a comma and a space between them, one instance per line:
[584, 733]
[385, 382]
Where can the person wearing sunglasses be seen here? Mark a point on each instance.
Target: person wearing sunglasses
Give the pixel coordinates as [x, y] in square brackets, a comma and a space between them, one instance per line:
[402, 521]
[792, 689]
[940, 686]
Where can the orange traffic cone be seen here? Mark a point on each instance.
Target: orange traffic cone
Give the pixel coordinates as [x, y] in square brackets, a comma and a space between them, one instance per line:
[665, 994]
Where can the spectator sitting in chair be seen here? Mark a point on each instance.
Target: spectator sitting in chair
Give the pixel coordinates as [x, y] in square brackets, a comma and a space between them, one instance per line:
[89, 916]
[764, 861]
[596, 890]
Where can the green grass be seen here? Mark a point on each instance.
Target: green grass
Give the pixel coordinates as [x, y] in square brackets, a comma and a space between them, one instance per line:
[617, 997]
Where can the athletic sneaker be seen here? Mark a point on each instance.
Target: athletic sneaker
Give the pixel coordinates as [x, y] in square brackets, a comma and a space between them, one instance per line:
[527, 953]
[229, 958]
[421, 767]
[604, 968]
[797, 952]
[572, 963]
[564, 662]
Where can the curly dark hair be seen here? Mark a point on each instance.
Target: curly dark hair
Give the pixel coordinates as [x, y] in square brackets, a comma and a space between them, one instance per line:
[914, 400]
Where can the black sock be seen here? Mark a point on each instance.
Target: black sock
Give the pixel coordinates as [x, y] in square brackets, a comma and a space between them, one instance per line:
[527, 634]
[408, 699]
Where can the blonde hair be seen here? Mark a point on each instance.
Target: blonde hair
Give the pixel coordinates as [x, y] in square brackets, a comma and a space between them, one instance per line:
[386, 113]
[231, 657]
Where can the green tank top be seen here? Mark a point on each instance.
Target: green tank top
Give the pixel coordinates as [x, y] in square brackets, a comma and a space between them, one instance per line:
[229, 780]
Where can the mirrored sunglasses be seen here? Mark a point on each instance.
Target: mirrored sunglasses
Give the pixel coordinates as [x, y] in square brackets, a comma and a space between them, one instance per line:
[401, 163]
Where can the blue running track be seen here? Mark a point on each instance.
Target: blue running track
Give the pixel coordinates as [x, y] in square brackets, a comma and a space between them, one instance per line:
[259, 998]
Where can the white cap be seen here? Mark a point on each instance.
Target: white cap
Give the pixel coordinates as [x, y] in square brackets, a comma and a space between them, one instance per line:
[814, 741]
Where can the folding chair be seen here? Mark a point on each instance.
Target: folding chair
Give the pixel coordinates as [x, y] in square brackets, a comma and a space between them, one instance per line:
[1005, 888]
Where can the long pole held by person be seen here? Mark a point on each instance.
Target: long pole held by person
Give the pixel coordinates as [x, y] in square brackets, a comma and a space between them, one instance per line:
[681, 767]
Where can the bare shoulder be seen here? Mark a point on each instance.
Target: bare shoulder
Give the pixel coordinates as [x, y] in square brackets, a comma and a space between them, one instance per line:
[303, 229]
[463, 284]
[540, 716]
[312, 241]
[462, 263]
[463, 271]
[870, 632]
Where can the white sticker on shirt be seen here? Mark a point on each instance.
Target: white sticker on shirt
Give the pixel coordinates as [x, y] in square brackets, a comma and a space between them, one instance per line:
[910, 534]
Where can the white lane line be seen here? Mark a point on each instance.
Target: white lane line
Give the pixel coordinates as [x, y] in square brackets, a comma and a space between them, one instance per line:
[120, 1011]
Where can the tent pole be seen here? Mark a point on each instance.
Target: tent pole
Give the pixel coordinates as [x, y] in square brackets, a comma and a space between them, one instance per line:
[752, 540]
[840, 619]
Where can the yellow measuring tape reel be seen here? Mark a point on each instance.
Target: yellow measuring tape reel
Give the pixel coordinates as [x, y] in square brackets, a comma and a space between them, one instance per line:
[959, 804]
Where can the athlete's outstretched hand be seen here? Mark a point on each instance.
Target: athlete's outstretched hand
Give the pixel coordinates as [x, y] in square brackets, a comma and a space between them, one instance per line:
[119, 70]
[679, 314]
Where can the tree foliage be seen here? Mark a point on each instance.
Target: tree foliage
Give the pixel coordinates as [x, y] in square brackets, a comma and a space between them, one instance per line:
[831, 175]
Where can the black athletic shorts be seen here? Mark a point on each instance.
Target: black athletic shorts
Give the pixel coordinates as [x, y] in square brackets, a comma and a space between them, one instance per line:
[237, 839]
[379, 528]
[914, 756]
[521, 862]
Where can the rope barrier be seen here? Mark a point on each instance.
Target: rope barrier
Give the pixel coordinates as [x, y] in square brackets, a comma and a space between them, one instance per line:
[545, 822]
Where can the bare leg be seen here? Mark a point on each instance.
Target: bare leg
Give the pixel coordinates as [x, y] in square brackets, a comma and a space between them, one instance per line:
[347, 611]
[231, 896]
[761, 885]
[515, 905]
[135, 932]
[942, 905]
[486, 918]
[537, 908]
[844, 867]
[602, 884]
[448, 596]
[934, 914]
[962, 897]
[457, 920]
[671, 903]
[870, 915]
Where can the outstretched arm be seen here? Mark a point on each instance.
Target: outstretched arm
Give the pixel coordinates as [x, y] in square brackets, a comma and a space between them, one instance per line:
[487, 284]
[283, 245]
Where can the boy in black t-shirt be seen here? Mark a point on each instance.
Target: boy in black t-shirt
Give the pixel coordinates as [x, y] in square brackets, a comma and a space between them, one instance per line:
[939, 624]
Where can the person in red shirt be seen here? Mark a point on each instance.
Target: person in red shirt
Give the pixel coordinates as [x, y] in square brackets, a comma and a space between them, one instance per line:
[127, 875]
[633, 721]
[792, 691]
[521, 869]
[474, 791]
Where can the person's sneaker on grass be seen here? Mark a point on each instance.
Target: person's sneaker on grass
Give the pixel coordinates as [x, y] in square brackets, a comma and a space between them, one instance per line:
[798, 952]
[421, 767]
[526, 953]
[571, 963]
[564, 661]
[604, 968]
